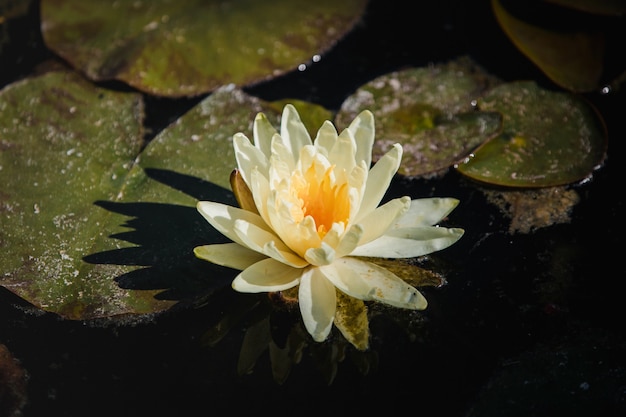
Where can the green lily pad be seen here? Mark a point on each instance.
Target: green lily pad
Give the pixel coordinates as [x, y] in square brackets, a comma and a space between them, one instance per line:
[427, 110]
[190, 47]
[548, 138]
[64, 145]
[94, 227]
[573, 59]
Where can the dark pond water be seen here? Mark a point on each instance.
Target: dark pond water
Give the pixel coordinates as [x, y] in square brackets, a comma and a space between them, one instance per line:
[528, 324]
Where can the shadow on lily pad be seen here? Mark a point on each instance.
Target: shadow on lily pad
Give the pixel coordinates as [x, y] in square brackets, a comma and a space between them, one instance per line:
[165, 235]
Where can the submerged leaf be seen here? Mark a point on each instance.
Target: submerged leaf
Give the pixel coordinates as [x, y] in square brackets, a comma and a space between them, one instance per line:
[572, 58]
[189, 47]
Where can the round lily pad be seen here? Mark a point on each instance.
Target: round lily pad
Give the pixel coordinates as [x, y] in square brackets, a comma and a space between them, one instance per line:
[189, 47]
[548, 138]
[429, 111]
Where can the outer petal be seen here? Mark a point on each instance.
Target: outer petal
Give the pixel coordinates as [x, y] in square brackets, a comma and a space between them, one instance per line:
[410, 242]
[326, 138]
[367, 281]
[263, 131]
[222, 217]
[377, 222]
[344, 151]
[378, 180]
[426, 212]
[362, 128]
[318, 301]
[231, 255]
[268, 243]
[323, 255]
[266, 276]
[248, 157]
[292, 130]
[349, 241]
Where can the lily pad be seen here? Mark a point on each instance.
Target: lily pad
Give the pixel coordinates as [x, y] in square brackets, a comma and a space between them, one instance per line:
[190, 47]
[573, 58]
[548, 138]
[93, 227]
[64, 145]
[427, 110]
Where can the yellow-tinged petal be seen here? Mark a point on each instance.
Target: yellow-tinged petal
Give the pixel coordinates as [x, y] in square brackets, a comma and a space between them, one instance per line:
[293, 132]
[223, 217]
[350, 241]
[323, 255]
[377, 222]
[268, 243]
[410, 242]
[344, 151]
[231, 255]
[267, 275]
[426, 212]
[362, 129]
[248, 157]
[326, 138]
[378, 180]
[318, 301]
[368, 281]
[263, 132]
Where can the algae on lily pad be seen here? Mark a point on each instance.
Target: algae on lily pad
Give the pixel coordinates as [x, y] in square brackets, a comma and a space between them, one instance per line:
[429, 112]
[93, 226]
[548, 138]
[64, 144]
[189, 47]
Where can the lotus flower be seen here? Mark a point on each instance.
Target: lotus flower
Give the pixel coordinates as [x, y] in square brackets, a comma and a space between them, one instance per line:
[310, 217]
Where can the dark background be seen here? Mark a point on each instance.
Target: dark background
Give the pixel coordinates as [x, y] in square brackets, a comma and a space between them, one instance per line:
[527, 324]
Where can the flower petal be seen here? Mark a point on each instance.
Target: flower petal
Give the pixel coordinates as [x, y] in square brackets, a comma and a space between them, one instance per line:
[268, 243]
[426, 212]
[323, 255]
[231, 255]
[223, 217]
[410, 242]
[263, 132]
[292, 130]
[326, 138]
[362, 129]
[318, 301]
[377, 222]
[344, 151]
[267, 275]
[367, 281]
[378, 180]
[349, 241]
[248, 157]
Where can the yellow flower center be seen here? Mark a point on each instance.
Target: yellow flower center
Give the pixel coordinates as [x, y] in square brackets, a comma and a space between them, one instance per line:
[321, 197]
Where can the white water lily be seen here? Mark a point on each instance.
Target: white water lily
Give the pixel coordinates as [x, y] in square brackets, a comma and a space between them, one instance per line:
[314, 213]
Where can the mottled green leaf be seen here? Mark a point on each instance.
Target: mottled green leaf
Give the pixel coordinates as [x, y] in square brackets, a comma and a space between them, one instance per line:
[92, 226]
[63, 145]
[548, 138]
[189, 47]
[429, 111]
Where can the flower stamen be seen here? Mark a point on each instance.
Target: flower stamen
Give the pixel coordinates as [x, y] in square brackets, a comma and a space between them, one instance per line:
[322, 198]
